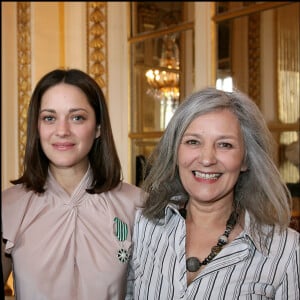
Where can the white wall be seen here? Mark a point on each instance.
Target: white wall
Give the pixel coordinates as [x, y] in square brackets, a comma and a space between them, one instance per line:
[118, 80]
[204, 42]
[9, 95]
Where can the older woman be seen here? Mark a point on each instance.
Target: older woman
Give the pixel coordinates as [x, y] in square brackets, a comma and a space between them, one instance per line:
[216, 220]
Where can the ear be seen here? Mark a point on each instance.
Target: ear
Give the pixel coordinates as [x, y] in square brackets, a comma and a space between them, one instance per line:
[244, 167]
[98, 131]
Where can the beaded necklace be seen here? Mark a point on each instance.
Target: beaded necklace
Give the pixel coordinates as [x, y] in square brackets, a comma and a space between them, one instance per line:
[193, 264]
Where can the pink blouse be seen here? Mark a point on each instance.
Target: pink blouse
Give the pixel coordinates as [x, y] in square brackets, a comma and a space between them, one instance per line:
[66, 247]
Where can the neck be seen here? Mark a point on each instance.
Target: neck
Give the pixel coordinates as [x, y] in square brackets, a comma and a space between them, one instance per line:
[206, 216]
[68, 178]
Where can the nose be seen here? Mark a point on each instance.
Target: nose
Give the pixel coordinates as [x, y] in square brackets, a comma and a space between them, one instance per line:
[62, 128]
[207, 156]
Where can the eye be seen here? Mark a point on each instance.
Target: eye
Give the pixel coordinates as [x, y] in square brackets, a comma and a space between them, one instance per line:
[191, 142]
[225, 145]
[78, 118]
[48, 119]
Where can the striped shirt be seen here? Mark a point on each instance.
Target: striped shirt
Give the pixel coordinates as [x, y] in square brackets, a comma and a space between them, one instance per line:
[242, 270]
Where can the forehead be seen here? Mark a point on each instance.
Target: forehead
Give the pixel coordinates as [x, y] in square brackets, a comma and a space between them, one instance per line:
[64, 94]
[223, 121]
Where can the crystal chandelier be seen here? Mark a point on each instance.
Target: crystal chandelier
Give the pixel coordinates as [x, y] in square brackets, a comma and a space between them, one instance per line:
[164, 80]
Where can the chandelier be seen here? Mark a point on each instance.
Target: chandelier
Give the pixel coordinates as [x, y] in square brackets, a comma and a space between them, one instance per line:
[164, 80]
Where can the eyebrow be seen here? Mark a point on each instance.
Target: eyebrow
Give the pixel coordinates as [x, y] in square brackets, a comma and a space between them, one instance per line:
[229, 136]
[70, 111]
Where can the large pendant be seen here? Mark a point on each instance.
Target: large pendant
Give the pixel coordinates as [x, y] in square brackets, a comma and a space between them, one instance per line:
[193, 264]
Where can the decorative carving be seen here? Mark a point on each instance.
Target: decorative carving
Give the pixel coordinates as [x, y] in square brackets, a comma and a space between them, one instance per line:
[97, 42]
[254, 57]
[24, 73]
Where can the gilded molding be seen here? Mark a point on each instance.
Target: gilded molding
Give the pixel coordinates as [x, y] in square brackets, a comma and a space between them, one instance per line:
[254, 57]
[97, 43]
[24, 73]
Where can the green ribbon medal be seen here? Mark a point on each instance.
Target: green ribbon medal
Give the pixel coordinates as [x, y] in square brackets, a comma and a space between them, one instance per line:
[121, 232]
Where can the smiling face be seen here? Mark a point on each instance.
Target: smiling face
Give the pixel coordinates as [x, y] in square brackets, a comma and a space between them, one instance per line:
[210, 156]
[67, 126]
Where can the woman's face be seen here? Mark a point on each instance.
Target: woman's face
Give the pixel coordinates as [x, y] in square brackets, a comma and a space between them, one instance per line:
[67, 126]
[210, 156]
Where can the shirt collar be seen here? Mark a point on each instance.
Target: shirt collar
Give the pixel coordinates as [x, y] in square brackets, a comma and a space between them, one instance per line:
[85, 182]
[260, 241]
[172, 210]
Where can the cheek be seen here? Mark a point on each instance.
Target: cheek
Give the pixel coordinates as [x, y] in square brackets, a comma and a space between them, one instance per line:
[43, 132]
[183, 163]
[234, 164]
[185, 158]
[87, 134]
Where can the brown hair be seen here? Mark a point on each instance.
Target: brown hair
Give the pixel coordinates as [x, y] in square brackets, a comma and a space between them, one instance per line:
[103, 157]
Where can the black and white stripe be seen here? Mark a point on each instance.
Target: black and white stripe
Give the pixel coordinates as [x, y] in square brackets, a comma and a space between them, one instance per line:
[240, 271]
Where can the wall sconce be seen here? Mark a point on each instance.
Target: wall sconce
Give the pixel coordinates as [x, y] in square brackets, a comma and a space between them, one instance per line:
[164, 80]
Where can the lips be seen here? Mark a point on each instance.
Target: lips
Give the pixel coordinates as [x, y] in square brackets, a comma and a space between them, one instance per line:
[63, 146]
[208, 176]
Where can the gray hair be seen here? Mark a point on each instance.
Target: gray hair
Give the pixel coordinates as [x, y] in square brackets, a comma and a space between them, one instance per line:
[260, 190]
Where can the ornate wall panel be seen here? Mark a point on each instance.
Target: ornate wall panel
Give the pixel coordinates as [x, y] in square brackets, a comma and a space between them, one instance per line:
[97, 43]
[254, 74]
[24, 72]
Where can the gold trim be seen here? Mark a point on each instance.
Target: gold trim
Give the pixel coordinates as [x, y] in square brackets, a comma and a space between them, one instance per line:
[97, 43]
[254, 74]
[24, 73]
[245, 11]
[161, 32]
[281, 127]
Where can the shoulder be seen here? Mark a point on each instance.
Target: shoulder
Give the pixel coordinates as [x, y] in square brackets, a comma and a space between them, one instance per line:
[128, 193]
[15, 195]
[284, 242]
[127, 187]
[289, 235]
[15, 203]
[293, 236]
[153, 225]
[123, 201]
[272, 240]
[13, 190]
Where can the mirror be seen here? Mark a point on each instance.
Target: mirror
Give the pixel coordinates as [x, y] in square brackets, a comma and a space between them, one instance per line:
[250, 43]
[258, 52]
[161, 52]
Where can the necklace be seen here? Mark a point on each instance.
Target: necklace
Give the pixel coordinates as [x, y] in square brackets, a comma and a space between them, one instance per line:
[193, 264]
